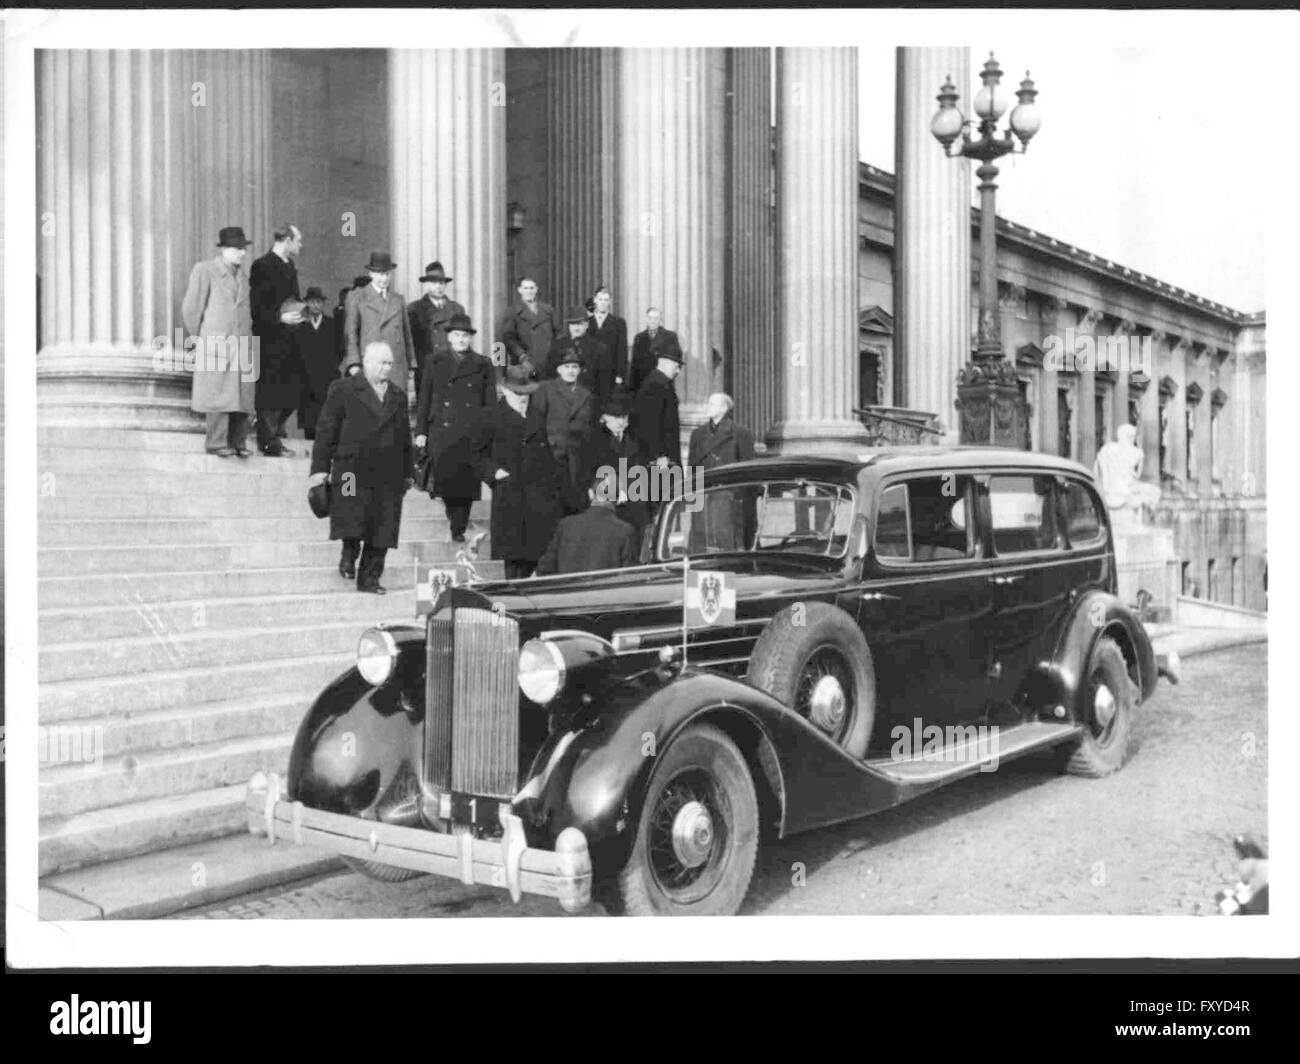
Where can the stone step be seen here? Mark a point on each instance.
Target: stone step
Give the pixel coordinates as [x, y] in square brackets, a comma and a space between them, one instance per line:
[158, 559]
[100, 835]
[167, 458]
[240, 487]
[417, 526]
[156, 620]
[206, 585]
[67, 790]
[202, 504]
[144, 692]
[196, 649]
[118, 735]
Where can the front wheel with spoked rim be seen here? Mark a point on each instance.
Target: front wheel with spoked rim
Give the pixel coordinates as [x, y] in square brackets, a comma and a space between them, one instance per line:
[697, 834]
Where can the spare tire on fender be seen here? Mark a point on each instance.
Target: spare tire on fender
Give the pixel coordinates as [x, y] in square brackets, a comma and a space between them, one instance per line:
[813, 657]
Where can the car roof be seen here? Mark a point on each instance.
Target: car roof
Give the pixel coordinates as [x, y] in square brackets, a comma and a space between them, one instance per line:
[892, 459]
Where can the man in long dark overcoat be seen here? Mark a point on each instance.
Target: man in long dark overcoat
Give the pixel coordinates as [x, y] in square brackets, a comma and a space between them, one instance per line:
[608, 334]
[363, 448]
[728, 518]
[273, 280]
[315, 341]
[376, 312]
[429, 316]
[646, 347]
[529, 329]
[458, 385]
[563, 412]
[655, 420]
[524, 478]
[613, 446]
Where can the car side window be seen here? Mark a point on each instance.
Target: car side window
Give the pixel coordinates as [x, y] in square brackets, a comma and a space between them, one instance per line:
[1023, 514]
[1082, 520]
[925, 520]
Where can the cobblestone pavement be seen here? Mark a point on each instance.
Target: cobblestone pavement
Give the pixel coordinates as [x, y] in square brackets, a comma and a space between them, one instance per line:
[1155, 838]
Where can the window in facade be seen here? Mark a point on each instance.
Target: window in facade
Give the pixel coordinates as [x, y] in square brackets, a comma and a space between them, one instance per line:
[1186, 584]
[1211, 587]
[1194, 394]
[1064, 430]
[1234, 574]
[1101, 415]
[1168, 389]
[1217, 400]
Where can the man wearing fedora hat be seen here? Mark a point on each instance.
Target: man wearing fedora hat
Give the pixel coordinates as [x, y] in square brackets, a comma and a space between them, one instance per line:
[429, 316]
[377, 314]
[314, 342]
[457, 387]
[216, 309]
[613, 446]
[563, 412]
[655, 422]
[579, 339]
[524, 478]
[273, 291]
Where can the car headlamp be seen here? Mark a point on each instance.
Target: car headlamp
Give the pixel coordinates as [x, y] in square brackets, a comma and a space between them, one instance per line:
[376, 655]
[541, 671]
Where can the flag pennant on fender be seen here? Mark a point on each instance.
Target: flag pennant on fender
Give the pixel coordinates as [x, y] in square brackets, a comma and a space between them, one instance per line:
[710, 599]
[429, 584]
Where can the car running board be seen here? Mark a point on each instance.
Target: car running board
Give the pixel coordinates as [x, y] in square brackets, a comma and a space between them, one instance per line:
[969, 749]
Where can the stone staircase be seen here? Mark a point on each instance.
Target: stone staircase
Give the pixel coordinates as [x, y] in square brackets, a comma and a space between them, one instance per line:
[189, 610]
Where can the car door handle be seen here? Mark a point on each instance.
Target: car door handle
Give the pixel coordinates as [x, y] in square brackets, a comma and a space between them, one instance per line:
[878, 596]
[1003, 581]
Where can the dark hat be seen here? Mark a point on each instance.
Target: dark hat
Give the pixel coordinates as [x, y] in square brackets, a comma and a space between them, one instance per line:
[619, 403]
[671, 352]
[434, 272]
[380, 262]
[459, 323]
[517, 379]
[232, 236]
[576, 314]
[318, 498]
[313, 293]
[590, 304]
[571, 353]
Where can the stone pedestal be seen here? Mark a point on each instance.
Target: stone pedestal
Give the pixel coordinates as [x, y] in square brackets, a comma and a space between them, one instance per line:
[446, 112]
[1145, 559]
[932, 240]
[990, 408]
[817, 260]
[142, 157]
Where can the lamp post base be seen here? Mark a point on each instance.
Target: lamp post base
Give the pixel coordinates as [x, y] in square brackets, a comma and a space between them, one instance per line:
[991, 410]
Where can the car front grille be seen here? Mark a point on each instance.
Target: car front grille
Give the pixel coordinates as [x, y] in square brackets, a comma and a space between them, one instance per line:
[471, 738]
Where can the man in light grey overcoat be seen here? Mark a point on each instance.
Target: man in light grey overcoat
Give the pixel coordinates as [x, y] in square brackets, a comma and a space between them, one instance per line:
[216, 310]
[377, 314]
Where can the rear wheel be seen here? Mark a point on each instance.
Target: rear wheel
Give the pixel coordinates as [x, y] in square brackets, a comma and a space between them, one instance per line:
[382, 872]
[697, 835]
[1107, 700]
[813, 658]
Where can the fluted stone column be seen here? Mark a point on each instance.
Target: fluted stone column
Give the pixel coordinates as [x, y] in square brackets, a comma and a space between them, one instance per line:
[447, 123]
[932, 240]
[671, 236]
[141, 158]
[582, 106]
[817, 259]
[751, 283]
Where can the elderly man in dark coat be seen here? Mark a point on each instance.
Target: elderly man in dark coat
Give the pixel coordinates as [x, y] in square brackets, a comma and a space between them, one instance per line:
[728, 519]
[578, 338]
[593, 539]
[646, 347]
[314, 341]
[458, 385]
[529, 329]
[273, 292]
[655, 422]
[524, 478]
[429, 316]
[363, 448]
[612, 446]
[377, 313]
[563, 412]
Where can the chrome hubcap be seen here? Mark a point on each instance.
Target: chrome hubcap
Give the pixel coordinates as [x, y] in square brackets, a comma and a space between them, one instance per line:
[692, 834]
[1103, 706]
[827, 704]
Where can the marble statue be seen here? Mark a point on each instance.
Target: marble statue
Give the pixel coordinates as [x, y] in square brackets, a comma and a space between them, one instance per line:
[1118, 470]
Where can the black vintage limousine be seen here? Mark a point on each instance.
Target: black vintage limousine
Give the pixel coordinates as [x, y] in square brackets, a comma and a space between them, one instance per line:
[902, 618]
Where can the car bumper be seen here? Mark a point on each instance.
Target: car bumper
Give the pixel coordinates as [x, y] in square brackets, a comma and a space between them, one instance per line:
[563, 873]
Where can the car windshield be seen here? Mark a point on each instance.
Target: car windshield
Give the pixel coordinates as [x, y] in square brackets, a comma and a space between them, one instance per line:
[788, 516]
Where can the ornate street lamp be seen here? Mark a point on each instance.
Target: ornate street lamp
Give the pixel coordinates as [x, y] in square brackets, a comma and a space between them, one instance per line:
[988, 395]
